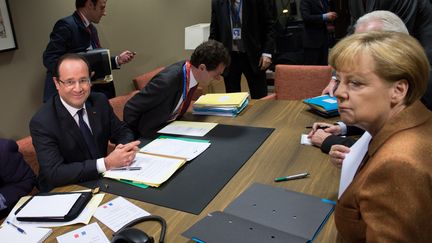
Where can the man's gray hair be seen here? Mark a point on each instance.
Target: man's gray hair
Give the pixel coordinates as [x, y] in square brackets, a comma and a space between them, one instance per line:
[389, 21]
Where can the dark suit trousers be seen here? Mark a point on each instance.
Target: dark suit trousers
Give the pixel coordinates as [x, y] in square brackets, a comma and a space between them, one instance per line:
[256, 80]
[316, 56]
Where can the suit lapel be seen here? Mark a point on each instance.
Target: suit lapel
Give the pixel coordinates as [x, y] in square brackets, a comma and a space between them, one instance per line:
[69, 126]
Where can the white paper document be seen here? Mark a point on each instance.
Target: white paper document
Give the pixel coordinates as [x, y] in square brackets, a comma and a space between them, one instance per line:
[305, 140]
[188, 128]
[49, 206]
[8, 233]
[118, 212]
[83, 218]
[91, 233]
[154, 169]
[352, 161]
[179, 148]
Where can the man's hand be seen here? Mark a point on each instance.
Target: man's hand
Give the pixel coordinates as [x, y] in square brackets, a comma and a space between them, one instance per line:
[329, 89]
[125, 57]
[337, 154]
[330, 16]
[123, 155]
[264, 62]
[327, 127]
[318, 137]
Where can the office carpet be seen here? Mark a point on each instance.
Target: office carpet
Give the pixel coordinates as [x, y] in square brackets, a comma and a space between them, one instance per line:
[194, 185]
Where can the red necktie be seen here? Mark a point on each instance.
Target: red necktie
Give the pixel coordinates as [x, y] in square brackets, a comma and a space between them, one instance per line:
[187, 102]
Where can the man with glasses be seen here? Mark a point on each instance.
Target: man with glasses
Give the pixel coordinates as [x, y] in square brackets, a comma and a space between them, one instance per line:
[71, 130]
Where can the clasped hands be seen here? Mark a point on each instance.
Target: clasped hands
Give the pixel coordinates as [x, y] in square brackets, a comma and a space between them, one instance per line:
[123, 155]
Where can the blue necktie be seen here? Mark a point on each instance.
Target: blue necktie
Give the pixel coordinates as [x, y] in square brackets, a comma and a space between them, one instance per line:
[88, 136]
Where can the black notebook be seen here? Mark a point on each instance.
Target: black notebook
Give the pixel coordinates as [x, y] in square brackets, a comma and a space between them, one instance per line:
[100, 63]
[53, 207]
[264, 214]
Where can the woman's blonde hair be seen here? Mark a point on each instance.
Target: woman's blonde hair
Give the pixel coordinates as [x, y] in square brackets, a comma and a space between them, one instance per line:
[396, 56]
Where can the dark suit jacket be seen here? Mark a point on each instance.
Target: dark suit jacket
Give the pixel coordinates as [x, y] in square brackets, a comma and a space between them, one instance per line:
[151, 108]
[16, 177]
[315, 29]
[416, 14]
[389, 199]
[69, 35]
[60, 146]
[257, 27]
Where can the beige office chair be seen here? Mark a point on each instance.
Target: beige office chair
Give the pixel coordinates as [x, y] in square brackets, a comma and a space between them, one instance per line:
[297, 82]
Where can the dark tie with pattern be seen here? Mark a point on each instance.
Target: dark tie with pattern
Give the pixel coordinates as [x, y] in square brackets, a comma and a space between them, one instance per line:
[187, 102]
[87, 134]
[93, 37]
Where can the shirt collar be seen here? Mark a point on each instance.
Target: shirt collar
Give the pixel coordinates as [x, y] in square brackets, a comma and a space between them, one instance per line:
[85, 20]
[72, 110]
[193, 82]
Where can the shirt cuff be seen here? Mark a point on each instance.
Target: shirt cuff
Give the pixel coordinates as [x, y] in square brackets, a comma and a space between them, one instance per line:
[324, 16]
[3, 204]
[343, 127]
[117, 63]
[267, 55]
[100, 165]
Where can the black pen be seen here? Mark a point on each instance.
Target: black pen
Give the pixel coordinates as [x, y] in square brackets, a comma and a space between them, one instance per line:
[319, 127]
[292, 177]
[16, 227]
[127, 168]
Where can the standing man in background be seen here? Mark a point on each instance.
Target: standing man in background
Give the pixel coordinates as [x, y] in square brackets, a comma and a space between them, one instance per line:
[77, 33]
[416, 14]
[317, 17]
[246, 28]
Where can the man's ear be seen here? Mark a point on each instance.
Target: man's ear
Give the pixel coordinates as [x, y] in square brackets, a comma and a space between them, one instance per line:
[56, 82]
[92, 74]
[202, 67]
[399, 91]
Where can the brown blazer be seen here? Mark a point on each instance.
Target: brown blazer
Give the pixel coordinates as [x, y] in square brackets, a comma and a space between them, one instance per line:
[390, 198]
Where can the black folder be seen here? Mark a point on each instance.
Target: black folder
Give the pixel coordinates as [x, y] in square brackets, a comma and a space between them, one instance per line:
[264, 213]
[99, 61]
[76, 209]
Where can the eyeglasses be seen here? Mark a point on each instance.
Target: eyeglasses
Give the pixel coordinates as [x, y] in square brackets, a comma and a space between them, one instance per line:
[71, 83]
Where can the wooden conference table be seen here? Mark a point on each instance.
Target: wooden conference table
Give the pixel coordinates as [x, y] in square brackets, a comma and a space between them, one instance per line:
[280, 155]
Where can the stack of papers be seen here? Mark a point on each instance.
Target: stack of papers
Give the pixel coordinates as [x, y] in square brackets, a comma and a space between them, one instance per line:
[160, 159]
[224, 104]
[9, 233]
[323, 105]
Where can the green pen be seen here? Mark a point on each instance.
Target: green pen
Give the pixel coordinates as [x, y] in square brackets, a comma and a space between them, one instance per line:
[292, 177]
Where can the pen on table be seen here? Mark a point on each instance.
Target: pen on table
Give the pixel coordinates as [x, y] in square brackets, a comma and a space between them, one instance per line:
[318, 127]
[292, 177]
[16, 227]
[127, 168]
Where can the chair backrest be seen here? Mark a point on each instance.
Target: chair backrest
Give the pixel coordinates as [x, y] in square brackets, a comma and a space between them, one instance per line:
[297, 82]
[142, 80]
[118, 103]
[25, 146]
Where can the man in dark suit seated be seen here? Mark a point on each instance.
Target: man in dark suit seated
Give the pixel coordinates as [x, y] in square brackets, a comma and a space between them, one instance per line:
[71, 130]
[16, 177]
[168, 94]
